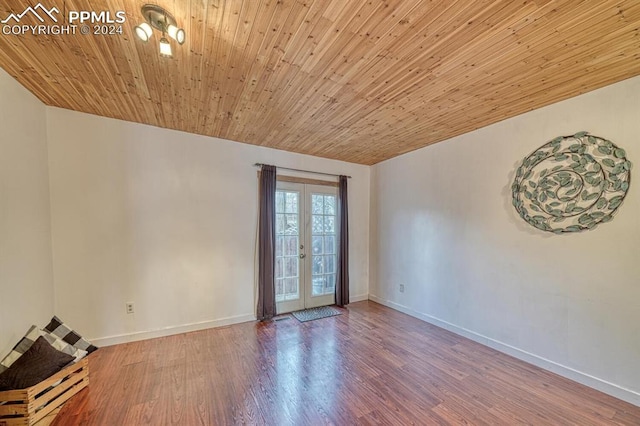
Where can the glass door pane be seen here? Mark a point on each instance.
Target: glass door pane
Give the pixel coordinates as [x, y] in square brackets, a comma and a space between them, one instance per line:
[321, 275]
[289, 238]
[306, 252]
[323, 234]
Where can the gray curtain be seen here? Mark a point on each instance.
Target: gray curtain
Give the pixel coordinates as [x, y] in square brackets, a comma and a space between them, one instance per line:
[266, 243]
[342, 278]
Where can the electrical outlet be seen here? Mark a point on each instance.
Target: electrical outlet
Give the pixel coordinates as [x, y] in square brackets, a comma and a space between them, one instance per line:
[401, 288]
[129, 306]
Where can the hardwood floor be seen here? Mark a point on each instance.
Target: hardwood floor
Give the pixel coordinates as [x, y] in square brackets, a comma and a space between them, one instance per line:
[371, 365]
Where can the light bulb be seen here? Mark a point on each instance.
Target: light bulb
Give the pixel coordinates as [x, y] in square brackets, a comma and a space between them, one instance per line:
[176, 33]
[165, 48]
[143, 31]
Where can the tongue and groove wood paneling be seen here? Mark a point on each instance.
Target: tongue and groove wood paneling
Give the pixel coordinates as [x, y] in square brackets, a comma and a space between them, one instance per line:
[358, 80]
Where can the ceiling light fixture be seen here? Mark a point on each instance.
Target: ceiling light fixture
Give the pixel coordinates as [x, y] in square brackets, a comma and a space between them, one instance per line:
[163, 21]
[165, 48]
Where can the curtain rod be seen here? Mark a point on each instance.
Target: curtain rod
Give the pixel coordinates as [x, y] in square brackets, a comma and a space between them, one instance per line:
[300, 170]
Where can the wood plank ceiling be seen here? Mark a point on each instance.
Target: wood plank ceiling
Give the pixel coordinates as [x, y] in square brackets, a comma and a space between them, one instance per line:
[358, 80]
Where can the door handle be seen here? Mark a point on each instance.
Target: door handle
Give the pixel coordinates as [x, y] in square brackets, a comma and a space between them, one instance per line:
[302, 255]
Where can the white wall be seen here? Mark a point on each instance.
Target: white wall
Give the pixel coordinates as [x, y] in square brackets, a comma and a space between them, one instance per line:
[26, 281]
[443, 225]
[166, 220]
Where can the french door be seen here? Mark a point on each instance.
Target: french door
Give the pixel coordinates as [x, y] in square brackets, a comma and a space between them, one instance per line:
[306, 246]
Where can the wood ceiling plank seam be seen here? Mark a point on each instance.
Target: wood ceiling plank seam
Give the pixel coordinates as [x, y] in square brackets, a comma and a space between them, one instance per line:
[274, 61]
[297, 100]
[260, 31]
[247, 15]
[150, 64]
[434, 70]
[17, 66]
[530, 37]
[316, 37]
[210, 27]
[473, 51]
[280, 69]
[168, 93]
[200, 36]
[327, 129]
[242, 103]
[445, 137]
[275, 37]
[144, 65]
[427, 20]
[293, 98]
[379, 27]
[449, 22]
[282, 77]
[496, 55]
[457, 122]
[544, 77]
[554, 94]
[245, 103]
[329, 64]
[303, 35]
[335, 37]
[549, 98]
[231, 25]
[32, 60]
[88, 101]
[373, 56]
[327, 91]
[400, 21]
[373, 63]
[490, 90]
[519, 73]
[611, 35]
[216, 70]
[184, 91]
[608, 56]
[539, 75]
[343, 118]
[311, 129]
[603, 6]
[544, 12]
[287, 72]
[315, 111]
[400, 84]
[192, 59]
[548, 41]
[139, 83]
[240, 40]
[326, 71]
[256, 33]
[212, 67]
[113, 69]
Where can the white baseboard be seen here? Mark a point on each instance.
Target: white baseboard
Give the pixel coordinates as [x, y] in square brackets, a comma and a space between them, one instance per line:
[609, 388]
[168, 331]
[358, 298]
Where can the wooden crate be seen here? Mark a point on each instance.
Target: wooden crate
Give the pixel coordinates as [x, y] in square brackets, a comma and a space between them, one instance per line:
[28, 406]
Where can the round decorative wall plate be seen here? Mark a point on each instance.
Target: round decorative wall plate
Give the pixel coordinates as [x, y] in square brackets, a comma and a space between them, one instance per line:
[571, 183]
